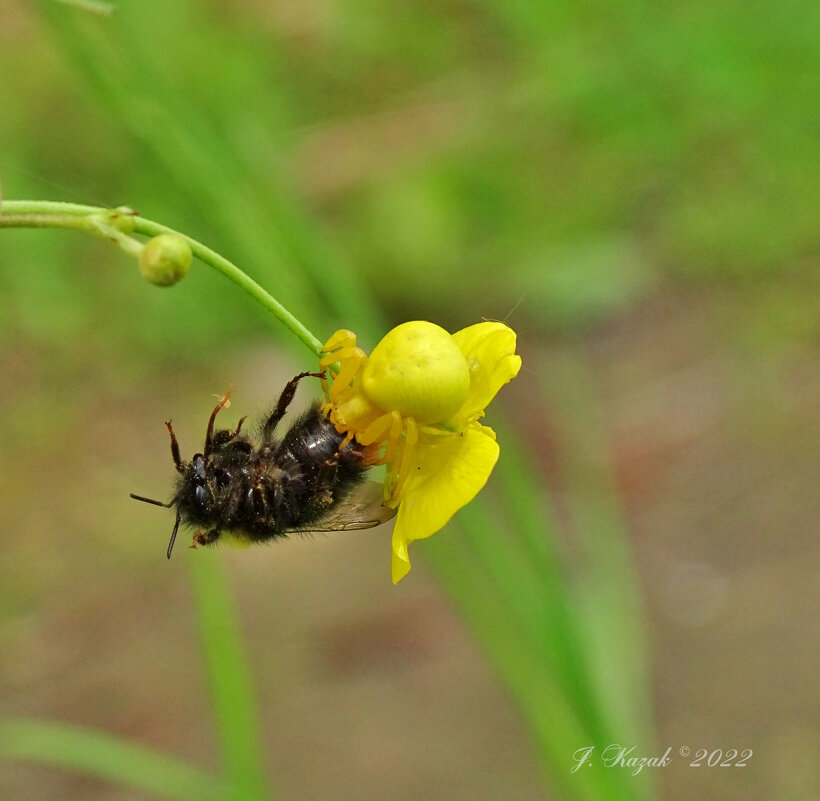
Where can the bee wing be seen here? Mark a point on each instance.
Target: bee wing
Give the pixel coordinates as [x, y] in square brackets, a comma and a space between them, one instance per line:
[363, 508]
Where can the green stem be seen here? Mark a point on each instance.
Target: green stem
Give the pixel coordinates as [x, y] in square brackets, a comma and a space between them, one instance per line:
[81, 223]
[51, 214]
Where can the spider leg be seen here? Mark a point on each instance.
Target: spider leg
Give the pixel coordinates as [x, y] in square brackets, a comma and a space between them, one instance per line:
[403, 465]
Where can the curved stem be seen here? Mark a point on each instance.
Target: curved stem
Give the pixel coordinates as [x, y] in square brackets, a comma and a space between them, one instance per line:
[52, 214]
[233, 273]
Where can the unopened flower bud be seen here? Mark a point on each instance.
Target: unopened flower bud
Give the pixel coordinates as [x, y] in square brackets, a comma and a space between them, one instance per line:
[165, 259]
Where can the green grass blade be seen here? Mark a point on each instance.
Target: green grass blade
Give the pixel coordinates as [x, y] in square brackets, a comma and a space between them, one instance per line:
[539, 613]
[554, 723]
[229, 680]
[94, 6]
[568, 643]
[531, 530]
[106, 757]
[611, 618]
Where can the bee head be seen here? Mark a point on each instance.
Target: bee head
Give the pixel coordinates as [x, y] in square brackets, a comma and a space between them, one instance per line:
[195, 496]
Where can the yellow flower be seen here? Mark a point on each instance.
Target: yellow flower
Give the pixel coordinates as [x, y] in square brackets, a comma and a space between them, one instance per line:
[421, 393]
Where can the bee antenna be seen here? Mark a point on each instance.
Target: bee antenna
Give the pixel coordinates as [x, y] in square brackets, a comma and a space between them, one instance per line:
[173, 535]
[151, 500]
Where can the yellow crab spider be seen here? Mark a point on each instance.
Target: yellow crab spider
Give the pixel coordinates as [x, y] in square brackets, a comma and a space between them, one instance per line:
[421, 393]
[352, 412]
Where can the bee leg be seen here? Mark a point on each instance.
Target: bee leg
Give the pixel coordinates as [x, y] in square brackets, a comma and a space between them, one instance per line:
[325, 481]
[204, 538]
[175, 448]
[223, 437]
[327, 471]
[284, 401]
[209, 434]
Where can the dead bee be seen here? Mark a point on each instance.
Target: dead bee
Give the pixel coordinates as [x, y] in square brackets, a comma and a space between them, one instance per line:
[255, 493]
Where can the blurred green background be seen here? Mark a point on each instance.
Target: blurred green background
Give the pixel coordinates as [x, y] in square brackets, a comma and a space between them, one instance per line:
[631, 186]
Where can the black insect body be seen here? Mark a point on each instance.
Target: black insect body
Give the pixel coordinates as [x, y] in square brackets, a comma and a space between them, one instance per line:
[260, 492]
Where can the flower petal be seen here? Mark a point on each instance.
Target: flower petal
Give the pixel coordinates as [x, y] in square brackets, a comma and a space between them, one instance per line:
[490, 352]
[449, 474]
